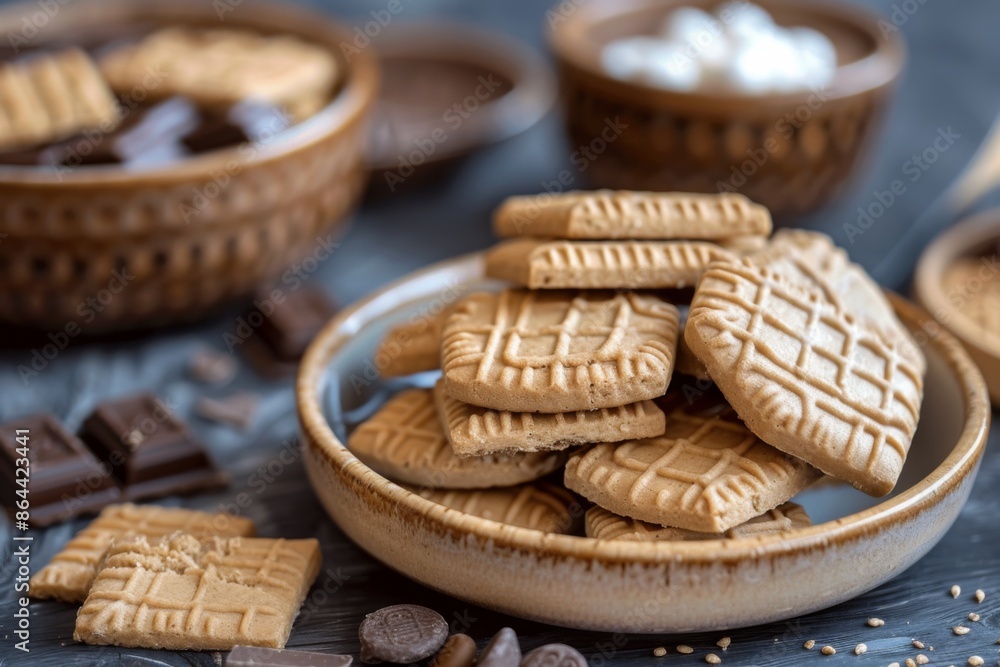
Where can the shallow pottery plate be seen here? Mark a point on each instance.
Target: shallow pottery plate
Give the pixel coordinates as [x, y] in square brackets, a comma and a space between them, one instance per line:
[857, 541]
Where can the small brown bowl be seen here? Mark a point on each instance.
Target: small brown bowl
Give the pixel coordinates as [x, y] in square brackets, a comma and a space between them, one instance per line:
[958, 282]
[791, 152]
[106, 248]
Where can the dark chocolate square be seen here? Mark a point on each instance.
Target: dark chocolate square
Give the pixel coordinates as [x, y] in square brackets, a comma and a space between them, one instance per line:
[65, 478]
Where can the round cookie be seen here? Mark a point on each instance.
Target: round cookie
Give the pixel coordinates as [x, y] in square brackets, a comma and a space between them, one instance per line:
[405, 441]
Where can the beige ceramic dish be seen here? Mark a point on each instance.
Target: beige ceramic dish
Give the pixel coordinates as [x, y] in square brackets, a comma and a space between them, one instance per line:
[858, 542]
[979, 234]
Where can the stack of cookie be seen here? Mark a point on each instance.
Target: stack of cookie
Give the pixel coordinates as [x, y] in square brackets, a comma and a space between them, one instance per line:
[576, 366]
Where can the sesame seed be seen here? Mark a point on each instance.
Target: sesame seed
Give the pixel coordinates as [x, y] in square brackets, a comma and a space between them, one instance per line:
[659, 651]
[828, 650]
[724, 643]
[876, 622]
[910, 663]
[960, 630]
[685, 649]
[860, 648]
[980, 595]
[713, 659]
[974, 617]
[976, 661]
[918, 644]
[922, 659]
[893, 664]
[812, 642]
[956, 591]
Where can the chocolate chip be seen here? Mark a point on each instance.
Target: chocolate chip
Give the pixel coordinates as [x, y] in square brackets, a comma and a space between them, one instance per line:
[401, 633]
[458, 651]
[502, 651]
[554, 655]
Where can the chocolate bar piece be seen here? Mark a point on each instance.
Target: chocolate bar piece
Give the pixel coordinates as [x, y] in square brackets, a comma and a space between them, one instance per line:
[249, 120]
[285, 331]
[150, 451]
[65, 479]
[255, 656]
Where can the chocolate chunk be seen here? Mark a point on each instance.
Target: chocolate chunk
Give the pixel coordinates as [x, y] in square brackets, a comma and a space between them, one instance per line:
[154, 136]
[150, 451]
[502, 651]
[65, 478]
[401, 633]
[237, 410]
[254, 656]
[458, 651]
[247, 121]
[285, 329]
[554, 655]
[212, 367]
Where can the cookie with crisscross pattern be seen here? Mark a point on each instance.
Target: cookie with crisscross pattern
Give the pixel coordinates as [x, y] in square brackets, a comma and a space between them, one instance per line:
[707, 473]
[604, 525]
[558, 351]
[806, 375]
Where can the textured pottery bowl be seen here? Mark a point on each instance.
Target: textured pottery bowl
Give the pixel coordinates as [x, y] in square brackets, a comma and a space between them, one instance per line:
[790, 152]
[858, 542]
[192, 235]
[979, 235]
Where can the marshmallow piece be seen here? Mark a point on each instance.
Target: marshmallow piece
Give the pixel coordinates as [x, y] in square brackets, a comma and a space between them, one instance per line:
[672, 68]
[629, 58]
[700, 34]
[817, 54]
[745, 21]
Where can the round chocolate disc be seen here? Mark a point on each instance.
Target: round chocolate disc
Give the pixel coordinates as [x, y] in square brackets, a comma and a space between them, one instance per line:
[554, 655]
[402, 633]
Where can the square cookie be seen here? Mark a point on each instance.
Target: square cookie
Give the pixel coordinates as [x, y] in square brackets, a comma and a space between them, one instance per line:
[547, 264]
[474, 431]
[182, 593]
[806, 375]
[406, 442]
[707, 473]
[539, 506]
[607, 214]
[69, 574]
[558, 351]
[604, 525]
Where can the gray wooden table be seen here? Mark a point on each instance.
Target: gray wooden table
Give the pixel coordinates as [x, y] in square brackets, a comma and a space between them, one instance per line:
[951, 82]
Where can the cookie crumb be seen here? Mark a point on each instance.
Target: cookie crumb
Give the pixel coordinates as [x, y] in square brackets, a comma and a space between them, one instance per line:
[724, 643]
[974, 617]
[659, 651]
[875, 622]
[960, 630]
[910, 662]
[956, 591]
[685, 649]
[713, 659]
[812, 642]
[860, 649]
[828, 650]
[980, 595]
[918, 644]
[922, 659]
[976, 661]
[893, 664]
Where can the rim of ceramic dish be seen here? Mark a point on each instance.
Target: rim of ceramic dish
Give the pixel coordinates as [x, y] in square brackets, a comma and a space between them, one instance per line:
[959, 463]
[354, 97]
[574, 47]
[532, 92]
[928, 282]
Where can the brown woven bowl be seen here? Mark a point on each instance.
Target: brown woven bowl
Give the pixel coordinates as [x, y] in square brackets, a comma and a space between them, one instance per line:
[191, 236]
[791, 152]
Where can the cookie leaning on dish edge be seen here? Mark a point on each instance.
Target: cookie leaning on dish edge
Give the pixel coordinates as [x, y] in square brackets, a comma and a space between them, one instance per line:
[807, 375]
